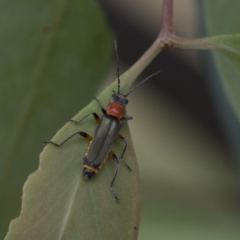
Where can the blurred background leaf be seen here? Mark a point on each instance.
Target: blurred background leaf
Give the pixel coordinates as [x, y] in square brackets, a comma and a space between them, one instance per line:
[54, 55]
[228, 64]
[227, 67]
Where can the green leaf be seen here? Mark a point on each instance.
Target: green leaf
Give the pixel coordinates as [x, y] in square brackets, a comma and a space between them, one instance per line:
[58, 203]
[229, 68]
[228, 63]
[54, 56]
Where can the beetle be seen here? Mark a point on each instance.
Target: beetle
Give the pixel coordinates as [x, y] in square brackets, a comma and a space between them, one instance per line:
[106, 133]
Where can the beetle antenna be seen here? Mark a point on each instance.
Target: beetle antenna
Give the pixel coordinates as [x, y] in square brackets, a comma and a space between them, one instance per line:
[143, 81]
[118, 69]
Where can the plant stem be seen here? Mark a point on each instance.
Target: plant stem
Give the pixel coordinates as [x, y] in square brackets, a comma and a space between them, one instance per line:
[166, 29]
[167, 38]
[136, 69]
[162, 40]
[167, 17]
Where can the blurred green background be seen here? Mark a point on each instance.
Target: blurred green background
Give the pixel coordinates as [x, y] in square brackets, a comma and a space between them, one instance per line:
[186, 136]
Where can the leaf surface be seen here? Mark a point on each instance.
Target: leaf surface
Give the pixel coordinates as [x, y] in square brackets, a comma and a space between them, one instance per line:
[58, 203]
[228, 63]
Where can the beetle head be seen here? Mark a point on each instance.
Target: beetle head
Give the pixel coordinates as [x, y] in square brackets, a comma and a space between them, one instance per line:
[88, 173]
[119, 98]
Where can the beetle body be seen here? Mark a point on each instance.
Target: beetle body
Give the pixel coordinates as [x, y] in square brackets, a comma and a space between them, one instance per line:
[97, 152]
[105, 134]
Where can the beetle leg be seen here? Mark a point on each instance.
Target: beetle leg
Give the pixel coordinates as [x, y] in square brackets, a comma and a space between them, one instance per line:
[97, 118]
[102, 108]
[115, 159]
[122, 139]
[83, 134]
